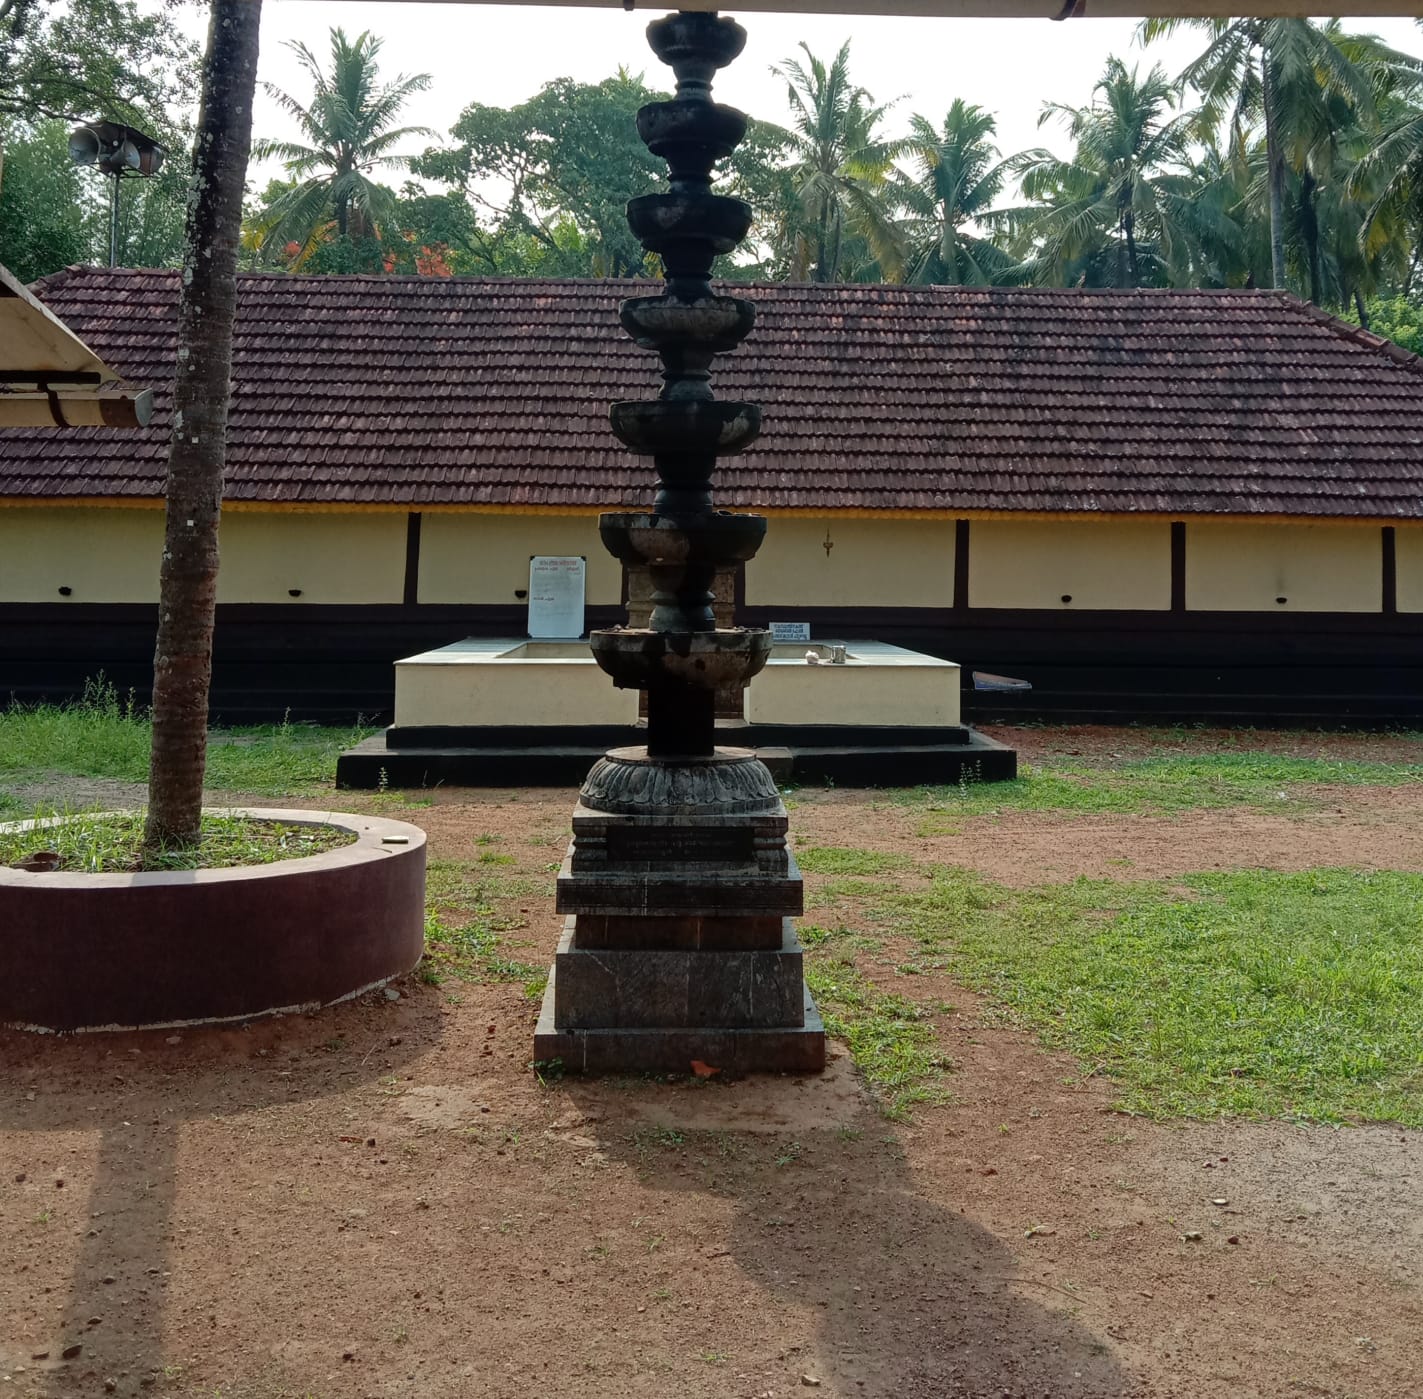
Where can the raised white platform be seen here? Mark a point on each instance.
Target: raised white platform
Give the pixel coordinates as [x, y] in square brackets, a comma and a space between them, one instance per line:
[507, 683]
[877, 684]
[557, 684]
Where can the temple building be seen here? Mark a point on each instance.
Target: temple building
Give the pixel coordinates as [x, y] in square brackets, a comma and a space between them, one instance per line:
[1145, 504]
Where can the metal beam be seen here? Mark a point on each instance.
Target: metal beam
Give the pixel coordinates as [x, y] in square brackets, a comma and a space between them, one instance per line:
[1014, 9]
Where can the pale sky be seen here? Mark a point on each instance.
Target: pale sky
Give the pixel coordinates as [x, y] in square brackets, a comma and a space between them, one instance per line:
[501, 54]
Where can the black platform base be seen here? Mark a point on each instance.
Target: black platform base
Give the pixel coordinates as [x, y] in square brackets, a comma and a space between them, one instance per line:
[797, 1049]
[869, 758]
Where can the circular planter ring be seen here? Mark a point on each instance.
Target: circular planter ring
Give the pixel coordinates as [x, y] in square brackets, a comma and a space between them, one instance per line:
[193, 947]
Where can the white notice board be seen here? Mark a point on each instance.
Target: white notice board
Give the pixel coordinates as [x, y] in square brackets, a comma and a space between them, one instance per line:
[790, 631]
[556, 595]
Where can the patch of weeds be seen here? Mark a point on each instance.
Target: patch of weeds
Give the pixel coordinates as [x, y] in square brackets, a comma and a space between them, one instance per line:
[668, 1138]
[453, 885]
[841, 859]
[108, 735]
[816, 935]
[93, 843]
[789, 1154]
[495, 857]
[548, 1071]
[1254, 993]
[893, 1045]
[470, 951]
[833, 889]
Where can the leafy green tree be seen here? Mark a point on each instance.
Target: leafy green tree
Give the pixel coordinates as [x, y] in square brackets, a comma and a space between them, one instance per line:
[1119, 210]
[555, 173]
[1396, 318]
[842, 169]
[956, 180]
[82, 59]
[53, 214]
[47, 216]
[350, 134]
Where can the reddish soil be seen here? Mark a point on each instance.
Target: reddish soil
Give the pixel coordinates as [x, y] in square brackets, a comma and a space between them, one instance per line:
[384, 1201]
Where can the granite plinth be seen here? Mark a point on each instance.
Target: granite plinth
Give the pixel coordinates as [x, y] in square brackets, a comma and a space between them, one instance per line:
[714, 933]
[664, 988]
[610, 842]
[796, 1048]
[701, 890]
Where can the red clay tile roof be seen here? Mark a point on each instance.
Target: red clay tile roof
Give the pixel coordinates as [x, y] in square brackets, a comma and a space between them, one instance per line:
[424, 391]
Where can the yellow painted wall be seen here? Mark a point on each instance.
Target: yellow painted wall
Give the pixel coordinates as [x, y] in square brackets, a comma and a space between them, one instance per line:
[102, 555]
[356, 558]
[1315, 568]
[1408, 552]
[485, 558]
[871, 563]
[1097, 564]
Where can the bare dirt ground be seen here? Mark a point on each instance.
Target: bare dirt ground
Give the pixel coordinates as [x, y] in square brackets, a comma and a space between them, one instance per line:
[384, 1201]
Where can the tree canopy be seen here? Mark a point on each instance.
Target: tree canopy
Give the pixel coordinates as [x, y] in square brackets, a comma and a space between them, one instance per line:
[1288, 153]
[76, 60]
[349, 132]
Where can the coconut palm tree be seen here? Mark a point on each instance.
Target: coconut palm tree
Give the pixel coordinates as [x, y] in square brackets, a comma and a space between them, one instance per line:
[1119, 209]
[1292, 77]
[1387, 179]
[182, 660]
[349, 134]
[957, 178]
[840, 166]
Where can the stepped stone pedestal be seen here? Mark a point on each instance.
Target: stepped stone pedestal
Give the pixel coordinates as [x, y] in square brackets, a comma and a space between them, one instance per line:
[679, 942]
[679, 889]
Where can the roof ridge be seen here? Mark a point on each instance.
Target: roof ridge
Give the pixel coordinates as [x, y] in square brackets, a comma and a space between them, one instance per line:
[1355, 334]
[57, 279]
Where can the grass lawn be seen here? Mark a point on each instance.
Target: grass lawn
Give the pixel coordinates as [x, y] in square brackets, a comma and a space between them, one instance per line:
[1166, 784]
[104, 736]
[1254, 993]
[1257, 993]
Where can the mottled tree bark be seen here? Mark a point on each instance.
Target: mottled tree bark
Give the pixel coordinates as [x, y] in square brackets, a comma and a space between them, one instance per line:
[182, 662]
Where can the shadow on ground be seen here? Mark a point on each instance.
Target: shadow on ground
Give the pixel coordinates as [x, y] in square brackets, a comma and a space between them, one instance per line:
[909, 1299]
[108, 1335]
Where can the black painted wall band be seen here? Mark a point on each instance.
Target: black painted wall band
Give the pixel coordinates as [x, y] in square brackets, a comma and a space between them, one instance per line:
[411, 596]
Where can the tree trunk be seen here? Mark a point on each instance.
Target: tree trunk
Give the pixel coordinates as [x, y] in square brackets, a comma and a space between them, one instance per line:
[822, 238]
[1362, 307]
[1133, 273]
[182, 662]
[1277, 178]
[1309, 226]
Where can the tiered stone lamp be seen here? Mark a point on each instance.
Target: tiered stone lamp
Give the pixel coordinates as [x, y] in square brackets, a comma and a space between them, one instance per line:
[679, 889]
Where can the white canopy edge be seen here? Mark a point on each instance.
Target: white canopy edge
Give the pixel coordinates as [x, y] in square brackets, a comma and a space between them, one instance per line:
[32, 337]
[1018, 9]
[50, 378]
